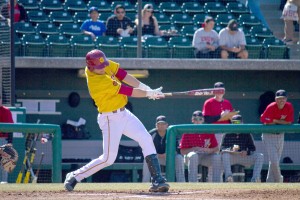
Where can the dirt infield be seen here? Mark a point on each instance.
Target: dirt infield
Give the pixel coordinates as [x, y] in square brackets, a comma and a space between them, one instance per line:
[178, 191]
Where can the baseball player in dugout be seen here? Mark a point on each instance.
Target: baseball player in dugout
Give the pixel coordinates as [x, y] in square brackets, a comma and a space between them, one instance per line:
[278, 112]
[105, 80]
[5, 117]
[201, 149]
[159, 140]
[217, 110]
[240, 149]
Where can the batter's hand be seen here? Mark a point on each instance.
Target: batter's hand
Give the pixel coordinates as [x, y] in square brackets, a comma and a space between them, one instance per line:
[144, 86]
[155, 94]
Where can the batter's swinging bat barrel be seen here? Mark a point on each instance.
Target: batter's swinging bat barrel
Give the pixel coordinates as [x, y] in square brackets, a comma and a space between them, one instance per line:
[199, 92]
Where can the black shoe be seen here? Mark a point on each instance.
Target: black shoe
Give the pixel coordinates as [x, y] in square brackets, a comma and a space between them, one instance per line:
[159, 187]
[70, 182]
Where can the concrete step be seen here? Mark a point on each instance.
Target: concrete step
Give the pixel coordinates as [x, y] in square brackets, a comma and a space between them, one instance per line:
[294, 51]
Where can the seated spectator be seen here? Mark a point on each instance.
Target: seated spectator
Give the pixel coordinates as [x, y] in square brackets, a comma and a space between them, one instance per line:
[93, 27]
[119, 25]
[206, 40]
[240, 149]
[149, 22]
[20, 14]
[159, 140]
[232, 42]
[201, 149]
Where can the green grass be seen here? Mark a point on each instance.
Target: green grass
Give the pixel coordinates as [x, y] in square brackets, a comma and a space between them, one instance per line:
[128, 187]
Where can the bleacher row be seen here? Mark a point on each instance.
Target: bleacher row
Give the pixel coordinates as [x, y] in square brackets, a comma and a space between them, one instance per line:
[54, 24]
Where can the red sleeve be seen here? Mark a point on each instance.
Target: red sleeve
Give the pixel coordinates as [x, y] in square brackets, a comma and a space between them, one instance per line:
[184, 144]
[205, 110]
[266, 117]
[121, 74]
[126, 90]
[213, 141]
[7, 116]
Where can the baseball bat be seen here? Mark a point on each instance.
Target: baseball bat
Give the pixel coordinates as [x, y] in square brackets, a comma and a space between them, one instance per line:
[38, 169]
[29, 166]
[198, 92]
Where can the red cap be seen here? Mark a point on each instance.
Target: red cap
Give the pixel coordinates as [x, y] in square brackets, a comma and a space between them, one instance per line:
[96, 59]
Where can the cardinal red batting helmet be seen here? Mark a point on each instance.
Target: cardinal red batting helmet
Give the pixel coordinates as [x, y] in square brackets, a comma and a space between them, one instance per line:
[96, 59]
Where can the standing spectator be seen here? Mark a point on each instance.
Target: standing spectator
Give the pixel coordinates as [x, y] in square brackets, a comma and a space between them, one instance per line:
[291, 13]
[232, 41]
[119, 25]
[240, 149]
[20, 14]
[201, 149]
[217, 110]
[149, 22]
[278, 112]
[5, 117]
[159, 140]
[206, 40]
[93, 27]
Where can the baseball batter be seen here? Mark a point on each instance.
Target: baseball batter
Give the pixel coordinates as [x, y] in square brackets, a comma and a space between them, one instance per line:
[278, 112]
[105, 83]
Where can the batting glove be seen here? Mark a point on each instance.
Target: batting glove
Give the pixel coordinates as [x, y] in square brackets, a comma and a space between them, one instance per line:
[144, 87]
[155, 94]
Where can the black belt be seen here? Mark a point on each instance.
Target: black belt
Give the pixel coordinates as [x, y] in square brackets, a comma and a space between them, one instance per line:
[115, 111]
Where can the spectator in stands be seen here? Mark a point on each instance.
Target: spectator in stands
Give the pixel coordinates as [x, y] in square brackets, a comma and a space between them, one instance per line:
[240, 149]
[149, 22]
[289, 15]
[233, 41]
[119, 25]
[20, 14]
[93, 27]
[201, 149]
[159, 140]
[5, 117]
[278, 112]
[206, 40]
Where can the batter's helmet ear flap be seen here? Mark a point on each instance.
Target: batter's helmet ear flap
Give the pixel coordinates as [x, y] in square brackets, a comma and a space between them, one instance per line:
[74, 99]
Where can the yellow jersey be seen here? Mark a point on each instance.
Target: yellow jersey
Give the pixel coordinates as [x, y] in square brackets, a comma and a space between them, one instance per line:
[104, 89]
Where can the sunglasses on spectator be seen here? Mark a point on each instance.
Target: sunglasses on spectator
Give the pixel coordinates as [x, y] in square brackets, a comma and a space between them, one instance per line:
[150, 11]
[198, 118]
[120, 12]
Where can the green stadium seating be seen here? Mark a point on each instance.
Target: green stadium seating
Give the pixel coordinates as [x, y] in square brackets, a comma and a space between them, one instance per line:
[81, 16]
[58, 46]
[75, 5]
[246, 31]
[179, 19]
[129, 47]
[127, 5]
[188, 31]
[59, 17]
[214, 8]
[181, 47]
[199, 18]
[45, 29]
[155, 7]
[192, 8]
[168, 28]
[105, 15]
[249, 20]
[51, 5]
[261, 32]
[275, 48]
[29, 4]
[162, 19]
[22, 28]
[34, 45]
[37, 16]
[81, 44]
[169, 8]
[237, 8]
[102, 5]
[69, 29]
[224, 18]
[110, 45]
[156, 47]
[254, 48]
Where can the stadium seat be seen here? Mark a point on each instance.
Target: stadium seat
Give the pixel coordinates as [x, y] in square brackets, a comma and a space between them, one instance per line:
[199, 18]
[22, 28]
[162, 19]
[218, 27]
[81, 44]
[58, 46]
[34, 45]
[246, 31]
[192, 8]
[29, 4]
[237, 8]
[59, 17]
[129, 47]
[51, 5]
[127, 5]
[75, 5]
[224, 18]
[188, 31]
[180, 19]
[105, 15]
[249, 20]
[181, 47]
[81, 16]
[69, 29]
[275, 48]
[254, 48]
[156, 47]
[168, 28]
[214, 8]
[132, 16]
[155, 7]
[169, 8]
[45, 29]
[261, 32]
[110, 45]
[102, 5]
[37, 16]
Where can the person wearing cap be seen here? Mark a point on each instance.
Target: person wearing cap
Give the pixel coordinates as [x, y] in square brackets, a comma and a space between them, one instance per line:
[201, 149]
[5, 117]
[93, 27]
[159, 140]
[240, 149]
[119, 25]
[206, 40]
[110, 86]
[232, 41]
[149, 22]
[278, 112]
[217, 110]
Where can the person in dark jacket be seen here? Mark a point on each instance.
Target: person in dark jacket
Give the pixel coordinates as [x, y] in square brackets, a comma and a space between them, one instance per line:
[20, 14]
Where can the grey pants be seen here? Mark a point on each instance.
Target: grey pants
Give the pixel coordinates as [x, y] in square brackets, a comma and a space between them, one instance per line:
[274, 146]
[256, 159]
[4, 174]
[179, 168]
[193, 159]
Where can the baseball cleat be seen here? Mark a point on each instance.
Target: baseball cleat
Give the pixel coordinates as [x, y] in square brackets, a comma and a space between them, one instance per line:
[70, 182]
[229, 179]
[160, 187]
